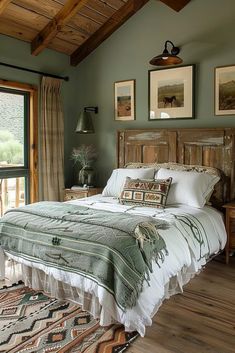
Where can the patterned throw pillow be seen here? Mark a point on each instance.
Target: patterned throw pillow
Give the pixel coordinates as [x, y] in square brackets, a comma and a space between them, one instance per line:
[150, 193]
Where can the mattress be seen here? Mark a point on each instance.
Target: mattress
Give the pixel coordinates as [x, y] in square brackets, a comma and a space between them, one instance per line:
[185, 259]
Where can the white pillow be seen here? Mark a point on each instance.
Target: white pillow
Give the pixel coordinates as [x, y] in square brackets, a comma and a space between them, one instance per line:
[117, 180]
[189, 188]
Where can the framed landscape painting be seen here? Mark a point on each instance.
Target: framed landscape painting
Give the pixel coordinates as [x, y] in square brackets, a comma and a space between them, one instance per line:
[171, 93]
[124, 100]
[225, 90]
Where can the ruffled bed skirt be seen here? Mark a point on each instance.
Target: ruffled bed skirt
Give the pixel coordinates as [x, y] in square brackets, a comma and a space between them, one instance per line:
[39, 280]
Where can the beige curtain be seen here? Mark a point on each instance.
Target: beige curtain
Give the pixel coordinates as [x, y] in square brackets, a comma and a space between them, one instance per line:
[52, 140]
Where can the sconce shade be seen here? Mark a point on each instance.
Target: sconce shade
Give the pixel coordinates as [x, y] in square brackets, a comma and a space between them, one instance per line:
[166, 58]
[163, 60]
[85, 124]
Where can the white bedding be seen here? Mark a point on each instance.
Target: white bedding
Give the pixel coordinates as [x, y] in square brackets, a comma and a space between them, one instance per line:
[182, 263]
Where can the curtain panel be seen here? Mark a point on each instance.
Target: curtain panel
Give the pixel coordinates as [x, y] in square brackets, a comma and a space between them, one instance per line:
[52, 140]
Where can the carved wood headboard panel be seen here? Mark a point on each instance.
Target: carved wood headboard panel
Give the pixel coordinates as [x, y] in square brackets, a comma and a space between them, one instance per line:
[208, 147]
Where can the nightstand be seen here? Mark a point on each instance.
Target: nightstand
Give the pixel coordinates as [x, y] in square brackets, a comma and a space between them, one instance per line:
[230, 228]
[79, 193]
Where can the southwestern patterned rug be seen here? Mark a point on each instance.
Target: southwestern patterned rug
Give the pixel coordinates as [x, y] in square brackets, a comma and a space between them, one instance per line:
[35, 323]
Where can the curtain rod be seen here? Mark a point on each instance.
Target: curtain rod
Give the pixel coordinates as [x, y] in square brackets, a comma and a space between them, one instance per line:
[65, 78]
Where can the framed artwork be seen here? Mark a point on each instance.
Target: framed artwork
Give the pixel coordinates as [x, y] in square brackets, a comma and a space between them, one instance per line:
[225, 90]
[124, 100]
[171, 93]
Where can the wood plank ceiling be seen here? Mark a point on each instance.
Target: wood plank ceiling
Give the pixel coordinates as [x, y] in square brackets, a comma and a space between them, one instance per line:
[73, 27]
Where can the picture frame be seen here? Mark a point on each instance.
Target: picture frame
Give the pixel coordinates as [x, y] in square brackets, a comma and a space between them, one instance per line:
[224, 86]
[171, 93]
[124, 100]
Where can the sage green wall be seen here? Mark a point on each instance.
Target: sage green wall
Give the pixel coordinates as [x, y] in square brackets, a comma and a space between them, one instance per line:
[205, 31]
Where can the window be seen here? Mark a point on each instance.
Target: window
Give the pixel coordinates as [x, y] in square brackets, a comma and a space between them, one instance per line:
[18, 145]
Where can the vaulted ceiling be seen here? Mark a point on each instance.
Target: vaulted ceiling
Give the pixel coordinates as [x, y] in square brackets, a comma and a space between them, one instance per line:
[73, 27]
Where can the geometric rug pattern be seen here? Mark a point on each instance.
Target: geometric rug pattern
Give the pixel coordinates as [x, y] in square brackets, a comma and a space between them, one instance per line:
[32, 322]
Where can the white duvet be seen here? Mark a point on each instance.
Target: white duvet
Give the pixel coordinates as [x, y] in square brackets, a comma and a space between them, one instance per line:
[184, 260]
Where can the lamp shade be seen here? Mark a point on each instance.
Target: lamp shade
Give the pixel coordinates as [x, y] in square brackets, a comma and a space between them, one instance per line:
[166, 59]
[85, 124]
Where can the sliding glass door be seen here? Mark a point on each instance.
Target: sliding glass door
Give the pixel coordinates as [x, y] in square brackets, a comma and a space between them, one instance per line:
[14, 148]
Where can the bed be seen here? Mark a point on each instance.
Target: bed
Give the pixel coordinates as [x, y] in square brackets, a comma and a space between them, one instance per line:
[186, 252]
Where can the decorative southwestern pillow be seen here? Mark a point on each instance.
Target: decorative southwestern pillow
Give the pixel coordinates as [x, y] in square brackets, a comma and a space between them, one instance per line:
[150, 193]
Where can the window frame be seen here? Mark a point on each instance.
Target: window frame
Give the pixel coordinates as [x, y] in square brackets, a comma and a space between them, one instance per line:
[30, 168]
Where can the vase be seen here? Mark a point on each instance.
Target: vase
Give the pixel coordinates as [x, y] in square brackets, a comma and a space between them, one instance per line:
[86, 176]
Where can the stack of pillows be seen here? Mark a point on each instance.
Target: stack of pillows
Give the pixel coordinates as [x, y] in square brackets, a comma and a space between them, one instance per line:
[151, 188]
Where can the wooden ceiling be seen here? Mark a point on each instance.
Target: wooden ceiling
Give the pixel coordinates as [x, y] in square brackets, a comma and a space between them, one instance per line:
[73, 27]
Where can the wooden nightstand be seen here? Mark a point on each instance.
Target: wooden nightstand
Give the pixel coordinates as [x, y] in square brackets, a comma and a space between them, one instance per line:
[230, 228]
[73, 194]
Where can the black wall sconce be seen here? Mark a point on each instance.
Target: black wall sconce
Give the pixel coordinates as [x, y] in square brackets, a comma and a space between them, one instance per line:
[167, 58]
[85, 124]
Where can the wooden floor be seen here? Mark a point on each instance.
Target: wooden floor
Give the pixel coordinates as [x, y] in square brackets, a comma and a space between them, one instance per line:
[201, 320]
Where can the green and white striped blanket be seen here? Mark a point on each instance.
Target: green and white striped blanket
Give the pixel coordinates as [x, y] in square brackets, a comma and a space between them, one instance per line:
[113, 249]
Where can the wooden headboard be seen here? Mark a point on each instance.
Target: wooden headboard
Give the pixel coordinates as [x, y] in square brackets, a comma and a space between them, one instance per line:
[208, 147]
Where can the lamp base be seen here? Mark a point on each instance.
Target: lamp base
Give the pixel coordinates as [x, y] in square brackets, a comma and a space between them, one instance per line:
[86, 176]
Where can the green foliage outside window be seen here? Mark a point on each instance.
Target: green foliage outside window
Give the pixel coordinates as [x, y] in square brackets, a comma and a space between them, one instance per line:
[11, 150]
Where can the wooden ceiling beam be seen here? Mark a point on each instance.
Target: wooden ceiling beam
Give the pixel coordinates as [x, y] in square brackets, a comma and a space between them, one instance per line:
[3, 5]
[176, 5]
[49, 32]
[112, 24]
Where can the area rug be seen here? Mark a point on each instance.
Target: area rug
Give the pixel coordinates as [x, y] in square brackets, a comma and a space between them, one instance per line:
[32, 322]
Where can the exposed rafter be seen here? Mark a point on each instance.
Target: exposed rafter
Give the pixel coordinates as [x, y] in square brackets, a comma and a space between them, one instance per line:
[3, 5]
[176, 5]
[113, 23]
[55, 25]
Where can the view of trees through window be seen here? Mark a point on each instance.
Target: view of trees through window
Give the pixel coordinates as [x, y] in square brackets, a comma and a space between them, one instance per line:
[12, 120]
[11, 129]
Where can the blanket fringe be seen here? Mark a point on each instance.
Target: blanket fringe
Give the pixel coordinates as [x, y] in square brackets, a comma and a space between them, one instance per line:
[151, 244]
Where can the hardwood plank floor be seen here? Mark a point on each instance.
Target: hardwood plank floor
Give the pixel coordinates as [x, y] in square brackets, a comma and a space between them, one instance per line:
[201, 320]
